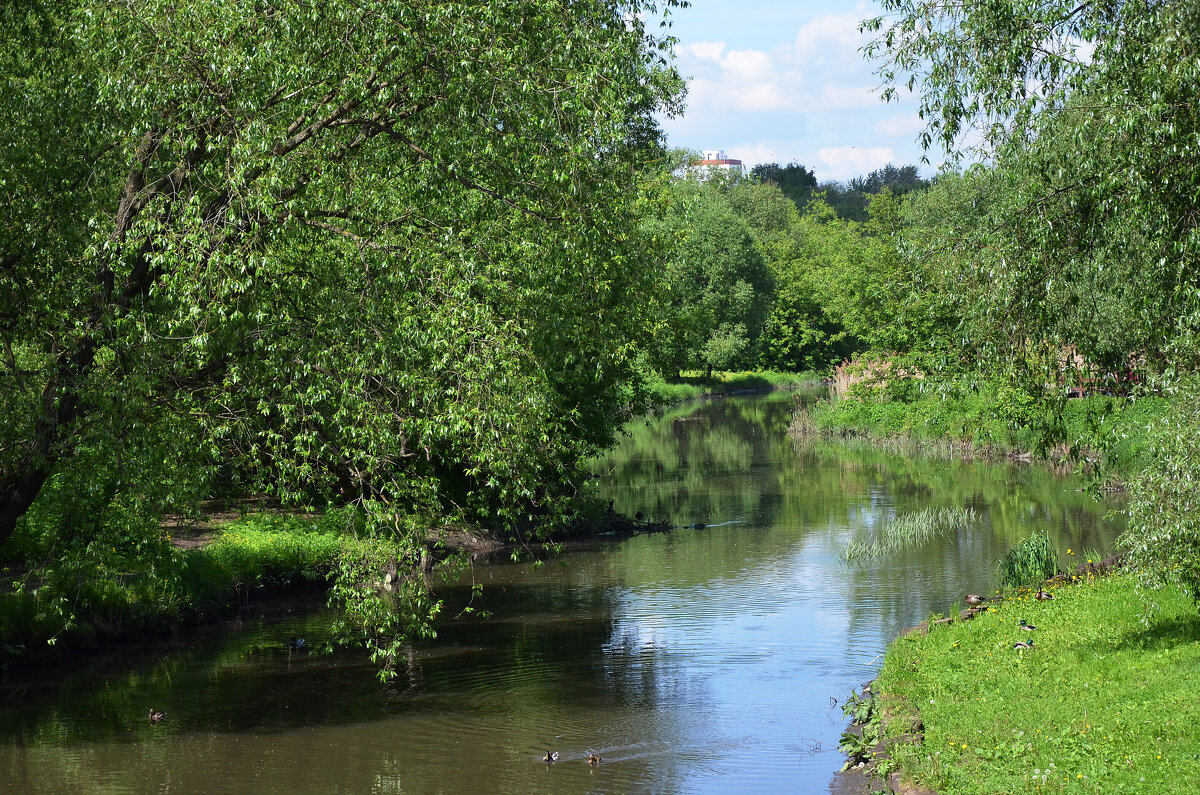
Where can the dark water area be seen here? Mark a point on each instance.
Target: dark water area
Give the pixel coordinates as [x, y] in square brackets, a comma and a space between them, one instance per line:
[705, 660]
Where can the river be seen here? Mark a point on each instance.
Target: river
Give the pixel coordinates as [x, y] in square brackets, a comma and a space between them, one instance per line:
[707, 660]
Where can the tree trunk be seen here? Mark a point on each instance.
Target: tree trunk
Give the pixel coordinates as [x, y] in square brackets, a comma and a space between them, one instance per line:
[17, 493]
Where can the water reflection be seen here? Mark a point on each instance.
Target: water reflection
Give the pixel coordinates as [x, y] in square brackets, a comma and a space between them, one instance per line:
[700, 661]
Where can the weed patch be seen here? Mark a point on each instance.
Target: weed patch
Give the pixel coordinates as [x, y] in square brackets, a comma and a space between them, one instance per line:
[1030, 562]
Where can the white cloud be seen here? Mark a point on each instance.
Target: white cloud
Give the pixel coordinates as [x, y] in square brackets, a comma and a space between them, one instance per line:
[903, 126]
[785, 80]
[848, 161]
[820, 70]
[739, 80]
[830, 37]
[704, 50]
[849, 97]
[751, 154]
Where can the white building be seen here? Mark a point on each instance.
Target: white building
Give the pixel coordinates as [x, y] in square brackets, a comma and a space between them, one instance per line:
[715, 159]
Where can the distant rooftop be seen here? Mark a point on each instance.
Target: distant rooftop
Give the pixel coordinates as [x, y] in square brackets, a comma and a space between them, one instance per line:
[716, 157]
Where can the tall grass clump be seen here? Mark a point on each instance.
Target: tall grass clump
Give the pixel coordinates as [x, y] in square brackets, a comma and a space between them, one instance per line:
[1030, 562]
[264, 551]
[911, 530]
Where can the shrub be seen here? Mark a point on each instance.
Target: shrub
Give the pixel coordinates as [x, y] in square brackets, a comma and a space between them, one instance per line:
[1163, 539]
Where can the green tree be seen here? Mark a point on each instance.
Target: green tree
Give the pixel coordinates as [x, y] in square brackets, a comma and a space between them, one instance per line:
[1090, 201]
[1163, 540]
[797, 182]
[716, 282]
[384, 249]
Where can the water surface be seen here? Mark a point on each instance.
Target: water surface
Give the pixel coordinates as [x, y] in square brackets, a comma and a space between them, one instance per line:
[706, 660]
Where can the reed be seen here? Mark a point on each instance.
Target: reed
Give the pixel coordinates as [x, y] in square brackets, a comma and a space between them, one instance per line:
[1030, 562]
[911, 530]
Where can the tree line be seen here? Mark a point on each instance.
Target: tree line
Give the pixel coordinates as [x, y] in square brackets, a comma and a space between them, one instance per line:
[1065, 261]
[767, 271]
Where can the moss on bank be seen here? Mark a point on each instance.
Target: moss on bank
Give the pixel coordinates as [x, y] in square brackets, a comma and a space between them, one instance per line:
[1104, 703]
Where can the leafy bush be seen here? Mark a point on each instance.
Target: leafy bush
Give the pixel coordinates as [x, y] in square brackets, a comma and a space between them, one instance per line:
[1163, 539]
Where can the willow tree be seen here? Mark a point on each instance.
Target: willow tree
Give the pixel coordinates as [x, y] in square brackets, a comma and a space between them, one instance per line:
[1087, 113]
[379, 248]
[1088, 237]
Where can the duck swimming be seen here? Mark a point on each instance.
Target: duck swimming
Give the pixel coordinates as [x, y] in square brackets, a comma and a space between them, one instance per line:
[157, 716]
[551, 756]
[593, 760]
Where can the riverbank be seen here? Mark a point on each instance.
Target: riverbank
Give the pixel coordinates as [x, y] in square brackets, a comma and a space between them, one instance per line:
[212, 567]
[1103, 703]
[1098, 704]
[695, 385]
[1102, 433]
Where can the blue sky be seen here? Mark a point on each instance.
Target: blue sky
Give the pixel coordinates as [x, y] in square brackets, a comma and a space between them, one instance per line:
[782, 81]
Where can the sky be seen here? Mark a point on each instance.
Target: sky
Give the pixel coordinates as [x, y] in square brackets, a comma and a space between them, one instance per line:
[783, 81]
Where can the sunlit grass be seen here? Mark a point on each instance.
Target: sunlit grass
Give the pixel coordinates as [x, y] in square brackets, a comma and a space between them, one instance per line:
[1104, 703]
[262, 550]
[694, 384]
[911, 530]
[94, 601]
[975, 425]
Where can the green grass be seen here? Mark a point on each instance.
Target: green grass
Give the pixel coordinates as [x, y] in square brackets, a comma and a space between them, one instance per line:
[1105, 703]
[965, 423]
[260, 551]
[86, 602]
[694, 385]
[911, 530]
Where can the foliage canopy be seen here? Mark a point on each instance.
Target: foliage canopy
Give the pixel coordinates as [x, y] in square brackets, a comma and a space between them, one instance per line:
[380, 250]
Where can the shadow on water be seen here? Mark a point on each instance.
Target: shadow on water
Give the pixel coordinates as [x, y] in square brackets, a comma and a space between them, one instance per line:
[706, 660]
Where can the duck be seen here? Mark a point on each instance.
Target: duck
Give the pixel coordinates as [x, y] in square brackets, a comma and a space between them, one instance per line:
[296, 644]
[1043, 596]
[551, 756]
[1027, 627]
[976, 599]
[157, 716]
[1023, 644]
[593, 760]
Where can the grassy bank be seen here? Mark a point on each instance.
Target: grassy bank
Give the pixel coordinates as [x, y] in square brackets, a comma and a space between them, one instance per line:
[92, 601]
[1112, 430]
[1104, 703]
[694, 385]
